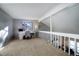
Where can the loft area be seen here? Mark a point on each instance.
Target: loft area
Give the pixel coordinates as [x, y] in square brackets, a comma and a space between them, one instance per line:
[23, 27]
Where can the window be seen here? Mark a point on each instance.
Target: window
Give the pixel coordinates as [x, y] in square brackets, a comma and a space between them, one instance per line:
[27, 25]
[4, 33]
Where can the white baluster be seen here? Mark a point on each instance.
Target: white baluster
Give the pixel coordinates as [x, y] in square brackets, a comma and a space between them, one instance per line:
[55, 40]
[51, 38]
[64, 44]
[75, 47]
[60, 42]
[68, 46]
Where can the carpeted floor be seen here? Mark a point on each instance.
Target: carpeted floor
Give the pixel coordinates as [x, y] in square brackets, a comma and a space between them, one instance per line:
[33, 47]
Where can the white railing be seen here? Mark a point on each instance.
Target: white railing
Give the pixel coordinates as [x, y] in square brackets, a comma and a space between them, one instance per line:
[76, 36]
[58, 35]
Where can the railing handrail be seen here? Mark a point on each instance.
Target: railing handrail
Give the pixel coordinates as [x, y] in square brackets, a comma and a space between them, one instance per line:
[76, 36]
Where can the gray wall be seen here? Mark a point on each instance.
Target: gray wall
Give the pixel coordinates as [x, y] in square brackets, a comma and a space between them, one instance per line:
[6, 20]
[18, 24]
[44, 36]
[67, 20]
[43, 27]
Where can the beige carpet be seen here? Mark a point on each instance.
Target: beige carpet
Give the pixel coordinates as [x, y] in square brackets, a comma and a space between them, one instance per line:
[33, 47]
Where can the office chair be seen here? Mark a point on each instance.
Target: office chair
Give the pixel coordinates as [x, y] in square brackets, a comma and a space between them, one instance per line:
[27, 35]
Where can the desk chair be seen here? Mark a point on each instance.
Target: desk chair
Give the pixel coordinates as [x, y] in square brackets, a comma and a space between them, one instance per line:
[27, 35]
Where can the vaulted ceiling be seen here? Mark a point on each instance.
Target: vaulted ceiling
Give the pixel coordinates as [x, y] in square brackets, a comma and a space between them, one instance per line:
[33, 11]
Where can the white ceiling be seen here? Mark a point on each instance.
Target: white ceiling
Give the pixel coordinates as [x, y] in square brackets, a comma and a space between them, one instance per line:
[32, 11]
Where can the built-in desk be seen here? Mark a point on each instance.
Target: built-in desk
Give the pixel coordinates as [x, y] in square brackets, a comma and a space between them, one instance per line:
[22, 33]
